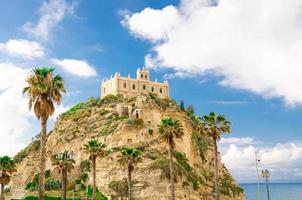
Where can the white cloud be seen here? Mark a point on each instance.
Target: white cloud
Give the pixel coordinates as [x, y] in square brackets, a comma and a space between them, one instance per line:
[76, 67]
[238, 141]
[15, 118]
[284, 160]
[255, 45]
[52, 12]
[24, 48]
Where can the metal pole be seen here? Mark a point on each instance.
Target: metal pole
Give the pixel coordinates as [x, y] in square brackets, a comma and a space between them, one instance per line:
[267, 190]
[257, 169]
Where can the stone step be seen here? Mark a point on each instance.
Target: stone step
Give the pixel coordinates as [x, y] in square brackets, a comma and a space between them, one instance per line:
[17, 193]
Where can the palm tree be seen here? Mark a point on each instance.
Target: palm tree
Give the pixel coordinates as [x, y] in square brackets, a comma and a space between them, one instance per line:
[95, 149]
[130, 157]
[214, 126]
[64, 164]
[170, 129]
[7, 167]
[44, 89]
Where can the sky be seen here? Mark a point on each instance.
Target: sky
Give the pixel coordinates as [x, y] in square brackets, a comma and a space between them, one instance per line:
[239, 58]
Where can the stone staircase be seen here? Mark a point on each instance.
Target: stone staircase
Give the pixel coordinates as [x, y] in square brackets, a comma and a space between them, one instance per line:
[17, 193]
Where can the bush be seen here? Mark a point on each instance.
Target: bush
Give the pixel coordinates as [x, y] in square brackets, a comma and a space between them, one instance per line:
[150, 131]
[138, 122]
[52, 185]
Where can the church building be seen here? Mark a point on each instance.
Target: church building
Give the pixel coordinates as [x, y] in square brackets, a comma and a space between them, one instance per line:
[129, 87]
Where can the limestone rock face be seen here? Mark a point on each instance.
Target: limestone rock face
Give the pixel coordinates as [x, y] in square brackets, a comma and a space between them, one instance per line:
[107, 120]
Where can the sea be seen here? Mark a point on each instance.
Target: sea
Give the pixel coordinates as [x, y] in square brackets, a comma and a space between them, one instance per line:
[277, 191]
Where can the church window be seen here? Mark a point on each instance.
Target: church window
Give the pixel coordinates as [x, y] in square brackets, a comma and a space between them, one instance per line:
[142, 76]
[129, 141]
[152, 89]
[125, 85]
[144, 87]
[133, 86]
[146, 77]
[161, 90]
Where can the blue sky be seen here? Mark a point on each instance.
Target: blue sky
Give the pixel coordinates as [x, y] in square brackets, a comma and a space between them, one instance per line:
[104, 37]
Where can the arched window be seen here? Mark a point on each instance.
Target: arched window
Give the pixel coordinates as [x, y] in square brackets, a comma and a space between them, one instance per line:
[160, 90]
[144, 87]
[146, 77]
[133, 86]
[142, 76]
[125, 85]
[152, 89]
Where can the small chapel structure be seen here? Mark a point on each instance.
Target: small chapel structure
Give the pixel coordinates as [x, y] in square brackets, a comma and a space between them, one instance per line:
[129, 87]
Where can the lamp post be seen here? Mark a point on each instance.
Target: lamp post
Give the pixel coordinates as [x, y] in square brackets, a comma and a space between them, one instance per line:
[266, 174]
[65, 157]
[257, 169]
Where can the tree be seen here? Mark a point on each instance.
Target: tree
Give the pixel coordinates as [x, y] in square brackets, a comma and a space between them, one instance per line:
[214, 126]
[64, 164]
[7, 167]
[170, 129]
[44, 89]
[190, 109]
[129, 157]
[95, 149]
[182, 105]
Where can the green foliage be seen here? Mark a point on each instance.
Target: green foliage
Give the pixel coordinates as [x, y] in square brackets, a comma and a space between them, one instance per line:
[181, 167]
[150, 131]
[228, 187]
[190, 109]
[51, 184]
[48, 198]
[202, 144]
[182, 105]
[85, 166]
[138, 122]
[47, 173]
[163, 103]
[110, 98]
[120, 187]
[82, 106]
[32, 147]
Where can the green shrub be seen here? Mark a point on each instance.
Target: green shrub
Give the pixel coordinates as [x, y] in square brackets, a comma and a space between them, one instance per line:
[120, 187]
[138, 122]
[150, 131]
[52, 185]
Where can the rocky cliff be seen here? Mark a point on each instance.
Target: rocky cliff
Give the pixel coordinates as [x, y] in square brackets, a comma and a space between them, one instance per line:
[119, 122]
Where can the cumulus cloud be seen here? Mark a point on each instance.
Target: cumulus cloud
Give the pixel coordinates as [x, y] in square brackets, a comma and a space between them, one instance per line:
[284, 160]
[255, 45]
[238, 141]
[76, 67]
[15, 117]
[23, 48]
[52, 12]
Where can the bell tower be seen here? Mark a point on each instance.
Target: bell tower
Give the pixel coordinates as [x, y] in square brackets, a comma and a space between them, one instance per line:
[143, 74]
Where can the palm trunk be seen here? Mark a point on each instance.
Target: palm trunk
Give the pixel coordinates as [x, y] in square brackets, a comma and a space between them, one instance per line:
[94, 177]
[217, 196]
[171, 172]
[65, 182]
[62, 184]
[129, 181]
[2, 192]
[43, 140]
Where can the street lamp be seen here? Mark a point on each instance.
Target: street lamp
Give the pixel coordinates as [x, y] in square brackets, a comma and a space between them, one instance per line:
[257, 170]
[266, 174]
[65, 157]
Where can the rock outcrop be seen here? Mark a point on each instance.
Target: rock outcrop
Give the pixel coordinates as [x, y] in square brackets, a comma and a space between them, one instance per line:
[133, 122]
